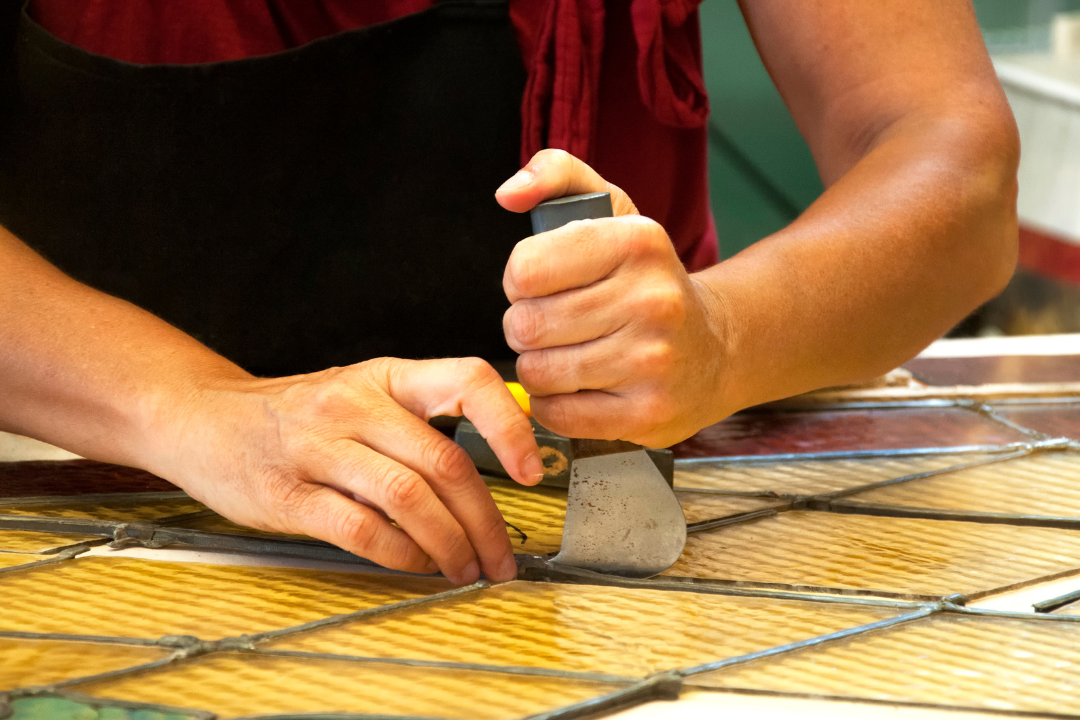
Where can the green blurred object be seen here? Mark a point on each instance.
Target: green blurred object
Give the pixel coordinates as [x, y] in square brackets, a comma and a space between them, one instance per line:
[60, 708]
[760, 170]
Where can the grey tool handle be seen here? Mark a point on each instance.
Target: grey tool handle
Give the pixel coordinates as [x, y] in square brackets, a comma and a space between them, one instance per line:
[556, 213]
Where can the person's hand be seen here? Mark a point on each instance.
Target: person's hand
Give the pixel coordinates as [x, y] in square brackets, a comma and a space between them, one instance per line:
[616, 340]
[338, 454]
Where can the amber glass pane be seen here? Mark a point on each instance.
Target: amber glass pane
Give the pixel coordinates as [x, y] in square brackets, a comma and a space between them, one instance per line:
[8, 559]
[1026, 665]
[898, 555]
[125, 510]
[234, 684]
[36, 542]
[124, 597]
[779, 433]
[1037, 485]
[811, 477]
[26, 662]
[75, 477]
[586, 628]
[538, 512]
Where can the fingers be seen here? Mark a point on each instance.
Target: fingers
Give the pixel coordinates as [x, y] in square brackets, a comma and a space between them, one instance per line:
[407, 498]
[326, 514]
[451, 515]
[554, 174]
[581, 253]
[643, 417]
[471, 387]
[566, 318]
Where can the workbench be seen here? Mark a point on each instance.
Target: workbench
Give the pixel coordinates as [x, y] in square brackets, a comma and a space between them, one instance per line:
[907, 549]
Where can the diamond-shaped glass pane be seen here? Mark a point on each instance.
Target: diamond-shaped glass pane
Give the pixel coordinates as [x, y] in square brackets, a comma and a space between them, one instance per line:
[811, 477]
[586, 628]
[1054, 419]
[25, 662]
[896, 555]
[781, 433]
[235, 684]
[92, 596]
[981, 662]
[1045, 484]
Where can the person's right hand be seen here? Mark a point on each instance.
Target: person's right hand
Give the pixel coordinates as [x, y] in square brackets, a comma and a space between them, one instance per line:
[340, 453]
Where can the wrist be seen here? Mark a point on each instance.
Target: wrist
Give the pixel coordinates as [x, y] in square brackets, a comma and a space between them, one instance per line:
[727, 383]
[185, 418]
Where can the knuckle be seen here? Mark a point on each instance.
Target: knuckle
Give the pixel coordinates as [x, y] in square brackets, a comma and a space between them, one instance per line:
[656, 358]
[476, 373]
[448, 462]
[526, 272]
[358, 528]
[534, 370]
[646, 238]
[403, 491]
[526, 324]
[663, 302]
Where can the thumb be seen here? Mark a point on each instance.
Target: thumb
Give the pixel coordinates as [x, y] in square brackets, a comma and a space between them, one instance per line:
[555, 174]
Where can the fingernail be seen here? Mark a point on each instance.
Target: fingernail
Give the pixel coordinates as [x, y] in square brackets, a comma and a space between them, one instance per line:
[507, 569]
[520, 180]
[469, 575]
[534, 468]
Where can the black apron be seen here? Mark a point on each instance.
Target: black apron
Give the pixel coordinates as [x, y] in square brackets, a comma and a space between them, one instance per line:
[316, 207]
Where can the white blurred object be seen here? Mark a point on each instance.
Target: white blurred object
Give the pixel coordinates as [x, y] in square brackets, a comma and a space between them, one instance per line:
[1065, 35]
[705, 705]
[18, 448]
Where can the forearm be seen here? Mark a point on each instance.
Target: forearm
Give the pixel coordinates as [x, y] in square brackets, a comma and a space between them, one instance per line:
[87, 371]
[913, 237]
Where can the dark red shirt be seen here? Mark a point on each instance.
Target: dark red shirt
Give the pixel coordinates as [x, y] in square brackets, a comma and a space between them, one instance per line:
[618, 82]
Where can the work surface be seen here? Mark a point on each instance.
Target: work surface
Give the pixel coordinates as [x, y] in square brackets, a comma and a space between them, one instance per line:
[844, 558]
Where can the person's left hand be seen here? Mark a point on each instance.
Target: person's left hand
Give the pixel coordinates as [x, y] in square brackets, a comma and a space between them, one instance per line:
[616, 340]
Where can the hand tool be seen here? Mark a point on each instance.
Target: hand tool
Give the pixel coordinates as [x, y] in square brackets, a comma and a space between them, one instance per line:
[622, 516]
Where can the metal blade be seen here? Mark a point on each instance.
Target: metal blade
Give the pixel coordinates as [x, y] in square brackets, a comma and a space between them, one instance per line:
[622, 518]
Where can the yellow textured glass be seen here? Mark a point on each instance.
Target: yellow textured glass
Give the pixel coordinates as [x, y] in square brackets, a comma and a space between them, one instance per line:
[21, 541]
[125, 597]
[899, 555]
[1026, 665]
[126, 510]
[586, 628]
[235, 684]
[9, 559]
[26, 662]
[1038, 485]
[538, 512]
[811, 477]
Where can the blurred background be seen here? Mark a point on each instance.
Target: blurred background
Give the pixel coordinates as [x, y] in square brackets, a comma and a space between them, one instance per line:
[762, 174]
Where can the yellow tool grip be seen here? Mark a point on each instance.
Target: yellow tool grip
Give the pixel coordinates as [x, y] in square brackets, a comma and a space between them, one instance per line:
[521, 396]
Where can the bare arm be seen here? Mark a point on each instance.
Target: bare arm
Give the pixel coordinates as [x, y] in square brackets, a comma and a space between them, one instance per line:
[326, 454]
[918, 150]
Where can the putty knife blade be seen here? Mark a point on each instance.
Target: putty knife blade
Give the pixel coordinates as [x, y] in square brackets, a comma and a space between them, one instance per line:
[622, 518]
